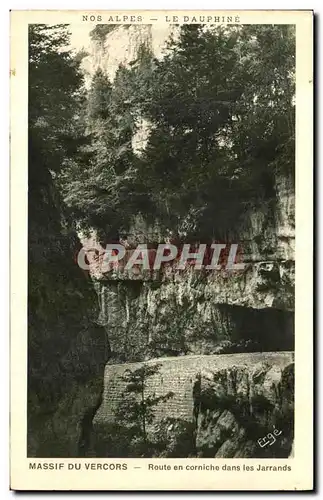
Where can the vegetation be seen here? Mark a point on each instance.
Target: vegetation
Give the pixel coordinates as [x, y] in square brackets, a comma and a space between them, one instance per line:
[64, 343]
[136, 432]
[221, 114]
[137, 408]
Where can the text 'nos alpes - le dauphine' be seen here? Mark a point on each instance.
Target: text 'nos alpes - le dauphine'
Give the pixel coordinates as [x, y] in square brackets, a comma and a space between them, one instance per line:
[125, 19]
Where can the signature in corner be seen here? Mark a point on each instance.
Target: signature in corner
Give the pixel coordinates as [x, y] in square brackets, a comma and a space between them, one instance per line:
[269, 439]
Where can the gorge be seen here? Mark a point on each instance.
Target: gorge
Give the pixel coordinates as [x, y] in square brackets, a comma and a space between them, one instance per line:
[188, 364]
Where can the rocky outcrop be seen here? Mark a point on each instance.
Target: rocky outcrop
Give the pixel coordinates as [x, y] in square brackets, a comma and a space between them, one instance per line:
[226, 403]
[145, 320]
[147, 314]
[238, 407]
[120, 46]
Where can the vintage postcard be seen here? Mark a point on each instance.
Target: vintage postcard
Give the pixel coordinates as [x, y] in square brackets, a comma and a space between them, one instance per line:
[161, 250]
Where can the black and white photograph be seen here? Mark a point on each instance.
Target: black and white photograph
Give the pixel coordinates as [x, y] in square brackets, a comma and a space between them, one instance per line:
[179, 139]
[166, 213]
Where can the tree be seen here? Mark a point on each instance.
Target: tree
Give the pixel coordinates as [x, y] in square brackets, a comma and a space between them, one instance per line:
[221, 115]
[98, 189]
[137, 408]
[99, 97]
[222, 125]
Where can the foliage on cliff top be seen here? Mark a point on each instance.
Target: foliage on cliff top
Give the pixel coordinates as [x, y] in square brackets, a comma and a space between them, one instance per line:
[221, 114]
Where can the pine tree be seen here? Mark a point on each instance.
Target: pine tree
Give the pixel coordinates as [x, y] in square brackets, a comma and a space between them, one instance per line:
[137, 408]
[221, 115]
[99, 98]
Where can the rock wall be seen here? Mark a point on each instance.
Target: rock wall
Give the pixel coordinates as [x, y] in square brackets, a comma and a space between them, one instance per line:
[231, 400]
[145, 320]
[121, 46]
[147, 314]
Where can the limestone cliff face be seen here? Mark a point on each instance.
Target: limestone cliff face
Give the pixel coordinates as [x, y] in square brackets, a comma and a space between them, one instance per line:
[147, 315]
[121, 46]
